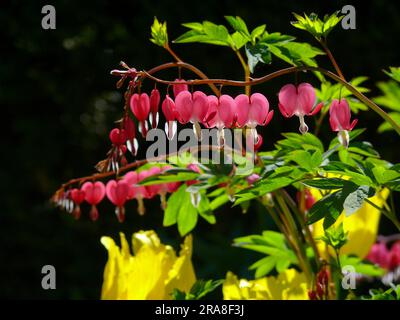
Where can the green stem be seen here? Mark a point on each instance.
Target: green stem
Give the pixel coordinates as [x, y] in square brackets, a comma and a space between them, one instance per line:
[338, 260]
[331, 57]
[388, 214]
[246, 71]
[303, 225]
[297, 236]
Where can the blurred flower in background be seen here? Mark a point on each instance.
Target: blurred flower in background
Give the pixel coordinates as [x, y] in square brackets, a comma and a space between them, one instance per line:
[288, 285]
[151, 273]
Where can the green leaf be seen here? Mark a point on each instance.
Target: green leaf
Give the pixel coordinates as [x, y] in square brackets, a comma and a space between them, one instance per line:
[394, 73]
[187, 216]
[335, 237]
[180, 210]
[296, 141]
[239, 25]
[275, 38]
[257, 53]
[205, 211]
[238, 40]
[355, 199]
[362, 267]
[314, 25]
[257, 32]
[386, 126]
[274, 245]
[384, 175]
[173, 206]
[263, 266]
[173, 175]
[159, 35]
[325, 183]
[306, 160]
[219, 201]
[207, 32]
[329, 206]
[198, 291]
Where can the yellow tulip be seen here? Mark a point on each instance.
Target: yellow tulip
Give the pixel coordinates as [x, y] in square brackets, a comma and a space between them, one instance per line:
[151, 273]
[288, 285]
[361, 226]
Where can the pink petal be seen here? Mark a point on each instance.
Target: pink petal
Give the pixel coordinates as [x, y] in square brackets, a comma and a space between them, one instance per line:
[268, 118]
[168, 108]
[184, 106]
[179, 87]
[288, 100]
[226, 111]
[212, 115]
[242, 109]
[259, 107]
[200, 106]
[305, 98]
[140, 106]
[94, 192]
[117, 192]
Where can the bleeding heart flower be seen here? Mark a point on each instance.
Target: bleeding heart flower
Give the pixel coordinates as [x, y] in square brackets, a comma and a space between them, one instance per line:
[192, 107]
[195, 196]
[94, 193]
[379, 254]
[154, 189]
[253, 111]
[221, 114]
[154, 103]
[251, 179]
[117, 137]
[339, 118]
[309, 199]
[168, 108]
[298, 101]
[77, 196]
[136, 191]
[251, 145]
[394, 256]
[178, 87]
[117, 192]
[140, 106]
[130, 132]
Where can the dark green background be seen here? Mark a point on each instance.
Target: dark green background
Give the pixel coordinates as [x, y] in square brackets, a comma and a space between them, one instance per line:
[58, 103]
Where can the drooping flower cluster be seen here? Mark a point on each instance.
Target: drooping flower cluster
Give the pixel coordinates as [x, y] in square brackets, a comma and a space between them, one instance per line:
[220, 112]
[196, 107]
[119, 192]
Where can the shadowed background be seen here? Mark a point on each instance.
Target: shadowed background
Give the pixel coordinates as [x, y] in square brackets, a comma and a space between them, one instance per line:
[59, 102]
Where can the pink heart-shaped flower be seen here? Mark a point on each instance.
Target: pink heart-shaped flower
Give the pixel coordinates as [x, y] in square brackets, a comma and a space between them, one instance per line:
[94, 192]
[77, 196]
[140, 106]
[117, 136]
[117, 192]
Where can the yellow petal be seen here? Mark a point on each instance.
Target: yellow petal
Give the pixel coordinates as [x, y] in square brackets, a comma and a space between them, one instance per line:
[111, 271]
[182, 275]
[151, 273]
[146, 239]
[288, 285]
